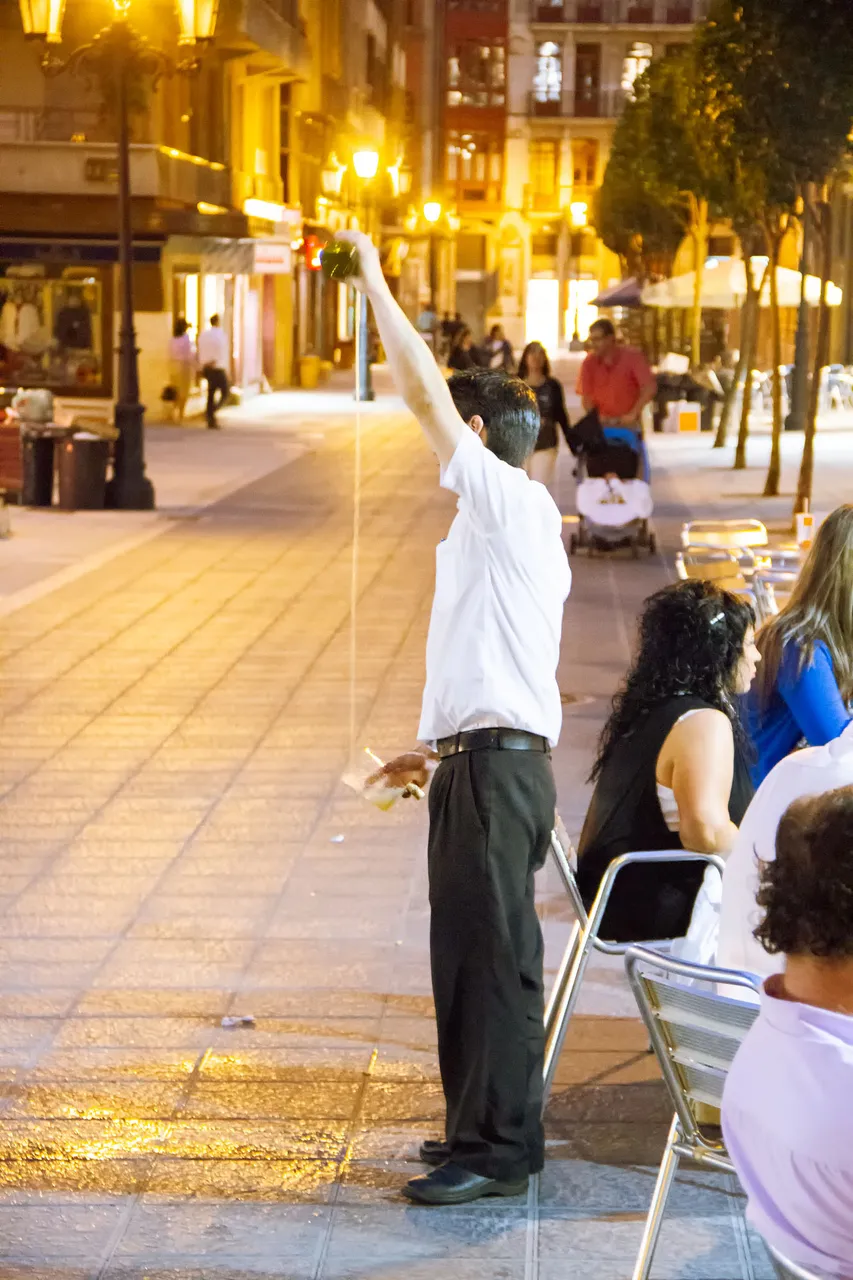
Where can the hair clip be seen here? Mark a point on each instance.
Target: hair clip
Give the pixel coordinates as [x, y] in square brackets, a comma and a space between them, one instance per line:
[719, 617]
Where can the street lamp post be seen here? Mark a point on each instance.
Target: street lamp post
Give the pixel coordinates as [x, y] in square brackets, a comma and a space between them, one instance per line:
[366, 164]
[432, 213]
[578, 210]
[115, 58]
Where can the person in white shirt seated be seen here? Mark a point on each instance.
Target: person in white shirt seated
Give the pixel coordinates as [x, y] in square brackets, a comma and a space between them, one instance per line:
[491, 714]
[787, 1112]
[807, 772]
[213, 356]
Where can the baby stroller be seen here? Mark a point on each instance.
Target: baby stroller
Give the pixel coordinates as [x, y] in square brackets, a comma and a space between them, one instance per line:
[614, 504]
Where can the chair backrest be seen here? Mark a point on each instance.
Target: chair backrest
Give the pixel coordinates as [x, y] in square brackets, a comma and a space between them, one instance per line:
[787, 1270]
[724, 533]
[695, 1033]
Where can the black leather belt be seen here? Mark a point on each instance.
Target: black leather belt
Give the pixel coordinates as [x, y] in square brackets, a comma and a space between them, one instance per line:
[496, 739]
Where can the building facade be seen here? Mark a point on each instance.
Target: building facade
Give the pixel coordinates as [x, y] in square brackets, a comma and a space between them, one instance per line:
[571, 66]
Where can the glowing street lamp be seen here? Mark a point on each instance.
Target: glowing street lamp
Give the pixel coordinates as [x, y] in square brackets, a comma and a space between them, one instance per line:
[117, 58]
[365, 163]
[432, 210]
[578, 211]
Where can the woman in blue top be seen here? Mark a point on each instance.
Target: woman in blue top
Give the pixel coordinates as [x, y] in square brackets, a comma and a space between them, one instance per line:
[805, 681]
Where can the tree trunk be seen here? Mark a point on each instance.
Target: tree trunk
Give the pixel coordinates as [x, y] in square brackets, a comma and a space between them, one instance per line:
[727, 412]
[774, 470]
[823, 223]
[753, 296]
[699, 229]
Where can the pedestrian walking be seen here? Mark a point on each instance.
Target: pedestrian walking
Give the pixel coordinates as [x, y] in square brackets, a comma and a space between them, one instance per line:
[617, 382]
[182, 366]
[213, 354]
[497, 351]
[463, 355]
[491, 714]
[535, 369]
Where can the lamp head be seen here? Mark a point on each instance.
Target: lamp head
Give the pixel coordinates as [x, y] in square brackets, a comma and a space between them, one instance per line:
[42, 19]
[197, 20]
[432, 210]
[366, 163]
[578, 211]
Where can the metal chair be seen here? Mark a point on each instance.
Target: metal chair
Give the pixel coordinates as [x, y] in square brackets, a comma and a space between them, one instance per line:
[695, 1034]
[726, 534]
[787, 1270]
[584, 939]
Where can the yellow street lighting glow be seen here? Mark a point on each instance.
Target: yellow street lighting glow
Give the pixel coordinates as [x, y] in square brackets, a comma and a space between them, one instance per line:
[432, 210]
[197, 20]
[365, 163]
[263, 209]
[43, 18]
[578, 210]
[204, 207]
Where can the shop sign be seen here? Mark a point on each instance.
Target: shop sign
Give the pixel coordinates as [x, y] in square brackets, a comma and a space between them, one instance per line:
[273, 257]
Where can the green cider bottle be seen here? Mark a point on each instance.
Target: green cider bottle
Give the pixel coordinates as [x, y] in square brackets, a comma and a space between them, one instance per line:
[339, 261]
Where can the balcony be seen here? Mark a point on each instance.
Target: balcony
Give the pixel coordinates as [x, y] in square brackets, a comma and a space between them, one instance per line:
[648, 13]
[47, 153]
[586, 104]
[272, 27]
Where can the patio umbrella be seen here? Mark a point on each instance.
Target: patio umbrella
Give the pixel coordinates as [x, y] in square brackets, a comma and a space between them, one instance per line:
[724, 287]
[627, 293]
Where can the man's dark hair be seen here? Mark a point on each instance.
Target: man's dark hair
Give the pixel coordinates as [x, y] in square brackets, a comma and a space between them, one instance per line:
[807, 892]
[214, 319]
[507, 406]
[604, 327]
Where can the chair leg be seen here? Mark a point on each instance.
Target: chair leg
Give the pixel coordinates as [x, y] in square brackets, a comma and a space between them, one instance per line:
[651, 1231]
[560, 981]
[563, 1011]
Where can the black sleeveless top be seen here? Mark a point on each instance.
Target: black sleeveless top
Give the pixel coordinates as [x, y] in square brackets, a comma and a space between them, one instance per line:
[652, 902]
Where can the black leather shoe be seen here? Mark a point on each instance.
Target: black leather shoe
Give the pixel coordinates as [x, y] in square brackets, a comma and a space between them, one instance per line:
[434, 1151]
[453, 1185]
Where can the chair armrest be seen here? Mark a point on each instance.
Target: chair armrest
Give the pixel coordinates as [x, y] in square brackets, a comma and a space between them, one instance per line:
[605, 889]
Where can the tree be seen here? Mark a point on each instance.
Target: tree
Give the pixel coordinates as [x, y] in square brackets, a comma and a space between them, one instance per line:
[631, 220]
[664, 169]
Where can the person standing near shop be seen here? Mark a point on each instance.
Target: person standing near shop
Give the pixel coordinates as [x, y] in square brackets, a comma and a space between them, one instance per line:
[491, 714]
[617, 382]
[535, 369]
[213, 356]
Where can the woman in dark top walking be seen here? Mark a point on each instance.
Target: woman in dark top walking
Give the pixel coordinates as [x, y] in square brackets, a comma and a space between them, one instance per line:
[535, 369]
[462, 355]
[672, 771]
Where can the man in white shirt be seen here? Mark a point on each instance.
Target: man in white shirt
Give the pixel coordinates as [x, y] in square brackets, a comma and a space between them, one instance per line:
[805, 773]
[213, 354]
[491, 712]
[787, 1118]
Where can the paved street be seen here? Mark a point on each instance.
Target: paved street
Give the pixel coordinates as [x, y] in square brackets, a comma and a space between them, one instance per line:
[177, 847]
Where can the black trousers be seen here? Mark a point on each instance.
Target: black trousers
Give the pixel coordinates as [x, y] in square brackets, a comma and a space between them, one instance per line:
[491, 815]
[217, 389]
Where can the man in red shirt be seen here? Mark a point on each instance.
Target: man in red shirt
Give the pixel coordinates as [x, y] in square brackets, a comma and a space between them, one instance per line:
[617, 381]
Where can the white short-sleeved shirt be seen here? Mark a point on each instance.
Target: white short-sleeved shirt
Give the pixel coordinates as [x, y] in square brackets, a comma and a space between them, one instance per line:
[788, 1126]
[502, 578]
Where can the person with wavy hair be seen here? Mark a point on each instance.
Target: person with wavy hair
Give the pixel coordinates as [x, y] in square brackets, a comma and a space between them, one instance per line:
[535, 369]
[804, 688]
[672, 768]
[787, 1119]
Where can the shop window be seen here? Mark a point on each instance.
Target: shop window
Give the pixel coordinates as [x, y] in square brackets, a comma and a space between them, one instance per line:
[637, 59]
[52, 322]
[548, 77]
[584, 162]
[476, 75]
[544, 161]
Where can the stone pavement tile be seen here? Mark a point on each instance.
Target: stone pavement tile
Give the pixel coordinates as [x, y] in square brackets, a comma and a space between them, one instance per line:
[214, 1234]
[149, 1032]
[276, 1181]
[40, 1003]
[380, 1269]
[163, 1002]
[57, 1233]
[392, 1102]
[71, 1181]
[257, 1100]
[254, 1140]
[41, 1139]
[607, 1142]
[107, 1100]
[311, 1063]
[112, 1064]
[397, 1234]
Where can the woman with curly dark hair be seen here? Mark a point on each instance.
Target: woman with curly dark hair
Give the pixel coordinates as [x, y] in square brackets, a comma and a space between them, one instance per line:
[671, 771]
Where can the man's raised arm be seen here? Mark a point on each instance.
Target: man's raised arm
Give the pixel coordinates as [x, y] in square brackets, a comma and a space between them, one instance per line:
[418, 377]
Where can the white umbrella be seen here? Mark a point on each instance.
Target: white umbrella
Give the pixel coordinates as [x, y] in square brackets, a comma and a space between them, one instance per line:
[724, 287]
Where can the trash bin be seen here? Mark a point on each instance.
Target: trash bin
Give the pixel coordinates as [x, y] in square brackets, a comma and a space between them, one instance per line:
[37, 456]
[83, 472]
[309, 372]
